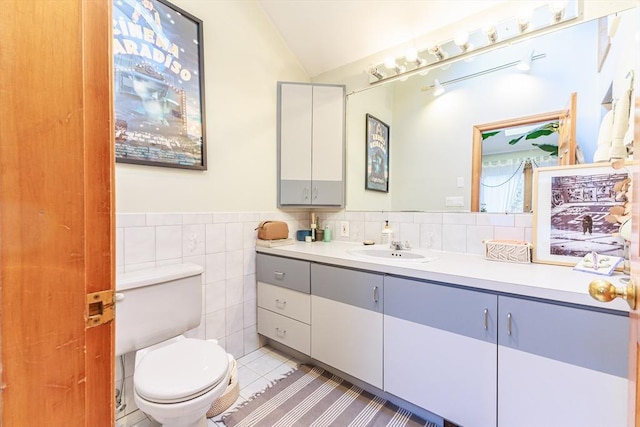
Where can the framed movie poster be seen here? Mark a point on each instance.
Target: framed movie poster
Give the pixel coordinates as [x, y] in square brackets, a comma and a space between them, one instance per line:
[377, 167]
[572, 213]
[158, 85]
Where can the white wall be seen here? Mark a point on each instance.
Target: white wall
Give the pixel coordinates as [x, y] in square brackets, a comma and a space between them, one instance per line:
[244, 57]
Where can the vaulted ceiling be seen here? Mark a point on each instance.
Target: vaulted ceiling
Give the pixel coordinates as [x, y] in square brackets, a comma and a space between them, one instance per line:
[326, 34]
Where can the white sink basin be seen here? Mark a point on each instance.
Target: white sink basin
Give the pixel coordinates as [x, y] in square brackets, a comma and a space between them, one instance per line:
[382, 253]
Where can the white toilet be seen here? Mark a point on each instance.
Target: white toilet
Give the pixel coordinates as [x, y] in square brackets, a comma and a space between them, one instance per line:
[176, 379]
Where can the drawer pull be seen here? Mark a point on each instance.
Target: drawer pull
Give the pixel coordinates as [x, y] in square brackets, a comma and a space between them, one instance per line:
[281, 304]
[375, 294]
[486, 319]
[508, 323]
[279, 275]
[281, 332]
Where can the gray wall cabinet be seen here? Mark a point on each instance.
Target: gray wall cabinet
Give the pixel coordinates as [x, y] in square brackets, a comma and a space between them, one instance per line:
[311, 145]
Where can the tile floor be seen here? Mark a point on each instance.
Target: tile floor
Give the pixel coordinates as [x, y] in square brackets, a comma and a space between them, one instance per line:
[255, 372]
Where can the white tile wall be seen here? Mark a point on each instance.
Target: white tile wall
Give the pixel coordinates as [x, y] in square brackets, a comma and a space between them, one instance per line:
[223, 243]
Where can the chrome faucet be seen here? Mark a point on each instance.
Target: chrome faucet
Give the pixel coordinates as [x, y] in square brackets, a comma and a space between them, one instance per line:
[397, 245]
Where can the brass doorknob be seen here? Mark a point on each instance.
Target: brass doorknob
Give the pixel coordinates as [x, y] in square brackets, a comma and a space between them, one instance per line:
[605, 291]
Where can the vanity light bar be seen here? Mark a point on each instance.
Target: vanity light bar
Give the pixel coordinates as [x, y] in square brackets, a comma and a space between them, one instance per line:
[525, 25]
[481, 73]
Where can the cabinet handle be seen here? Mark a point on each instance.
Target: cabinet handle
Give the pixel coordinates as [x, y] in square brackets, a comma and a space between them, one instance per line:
[508, 323]
[375, 294]
[305, 193]
[281, 304]
[279, 275]
[486, 319]
[281, 332]
[314, 192]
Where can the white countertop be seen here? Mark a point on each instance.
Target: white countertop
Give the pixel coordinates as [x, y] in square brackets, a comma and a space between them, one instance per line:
[551, 282]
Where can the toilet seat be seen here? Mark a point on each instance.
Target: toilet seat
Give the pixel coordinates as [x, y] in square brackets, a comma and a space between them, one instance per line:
[180, 371]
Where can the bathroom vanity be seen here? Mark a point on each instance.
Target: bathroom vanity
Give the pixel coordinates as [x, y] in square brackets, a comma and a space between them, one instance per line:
[477, 342]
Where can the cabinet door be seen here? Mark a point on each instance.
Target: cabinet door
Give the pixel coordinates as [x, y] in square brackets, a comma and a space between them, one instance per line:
[294, 143]
[440, 349]
[328, 146]
[346, 321]
[560, 365]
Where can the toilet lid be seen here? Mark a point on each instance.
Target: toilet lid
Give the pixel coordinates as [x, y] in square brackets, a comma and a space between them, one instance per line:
[180, 371]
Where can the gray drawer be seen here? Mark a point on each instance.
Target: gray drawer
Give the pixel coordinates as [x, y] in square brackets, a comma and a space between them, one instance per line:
[357, 288]
[451, 309]
[288, 273]
[581, 337]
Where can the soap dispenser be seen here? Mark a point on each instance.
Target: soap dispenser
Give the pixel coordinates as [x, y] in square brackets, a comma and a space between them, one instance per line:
[387, 234]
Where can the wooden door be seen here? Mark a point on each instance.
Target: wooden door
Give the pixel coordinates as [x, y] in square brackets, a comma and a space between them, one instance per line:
[634, 335]
[56, 211]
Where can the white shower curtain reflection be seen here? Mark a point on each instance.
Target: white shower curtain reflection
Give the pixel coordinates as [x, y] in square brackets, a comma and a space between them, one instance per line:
[502, 183]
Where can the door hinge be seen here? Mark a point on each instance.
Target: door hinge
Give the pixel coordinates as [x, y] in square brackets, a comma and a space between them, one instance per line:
[100, 308]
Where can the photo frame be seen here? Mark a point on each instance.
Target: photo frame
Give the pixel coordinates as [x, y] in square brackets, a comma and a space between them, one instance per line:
[377, 152]
[571, 215]
[158, 85]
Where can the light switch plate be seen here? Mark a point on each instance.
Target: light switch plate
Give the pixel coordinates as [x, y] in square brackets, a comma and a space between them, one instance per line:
[344, 228]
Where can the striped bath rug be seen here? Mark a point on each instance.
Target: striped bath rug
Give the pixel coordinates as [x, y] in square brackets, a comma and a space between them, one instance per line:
[311, 396]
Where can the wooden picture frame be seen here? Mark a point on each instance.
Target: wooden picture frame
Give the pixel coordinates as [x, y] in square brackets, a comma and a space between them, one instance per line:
[377, 152]
[570, 205]
[158, 85]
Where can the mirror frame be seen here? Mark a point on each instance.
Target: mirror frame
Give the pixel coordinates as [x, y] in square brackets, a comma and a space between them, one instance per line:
[478, 130]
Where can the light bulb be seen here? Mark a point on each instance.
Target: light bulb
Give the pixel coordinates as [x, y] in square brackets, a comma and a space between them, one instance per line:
[439, 53]
[412, 54]
[376, 73]
[523, 18]
[491, 33]
[461, 39]
[438, 89]
[557, 10]
[525, 63]
[390, 63]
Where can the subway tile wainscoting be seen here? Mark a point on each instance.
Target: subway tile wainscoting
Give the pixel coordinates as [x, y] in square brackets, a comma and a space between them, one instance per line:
[223, 243]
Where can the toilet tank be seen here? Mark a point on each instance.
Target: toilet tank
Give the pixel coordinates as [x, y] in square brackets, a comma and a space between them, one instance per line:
[156, 304]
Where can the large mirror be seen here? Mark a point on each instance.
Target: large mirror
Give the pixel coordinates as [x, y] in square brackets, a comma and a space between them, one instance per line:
[431, 136]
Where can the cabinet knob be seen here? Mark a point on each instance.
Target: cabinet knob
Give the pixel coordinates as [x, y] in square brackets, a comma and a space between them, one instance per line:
[605, 291]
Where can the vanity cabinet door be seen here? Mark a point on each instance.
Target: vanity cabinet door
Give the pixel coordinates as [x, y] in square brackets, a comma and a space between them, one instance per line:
[560, 365]
[311, 144]
[440, 349]
[346, 321]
